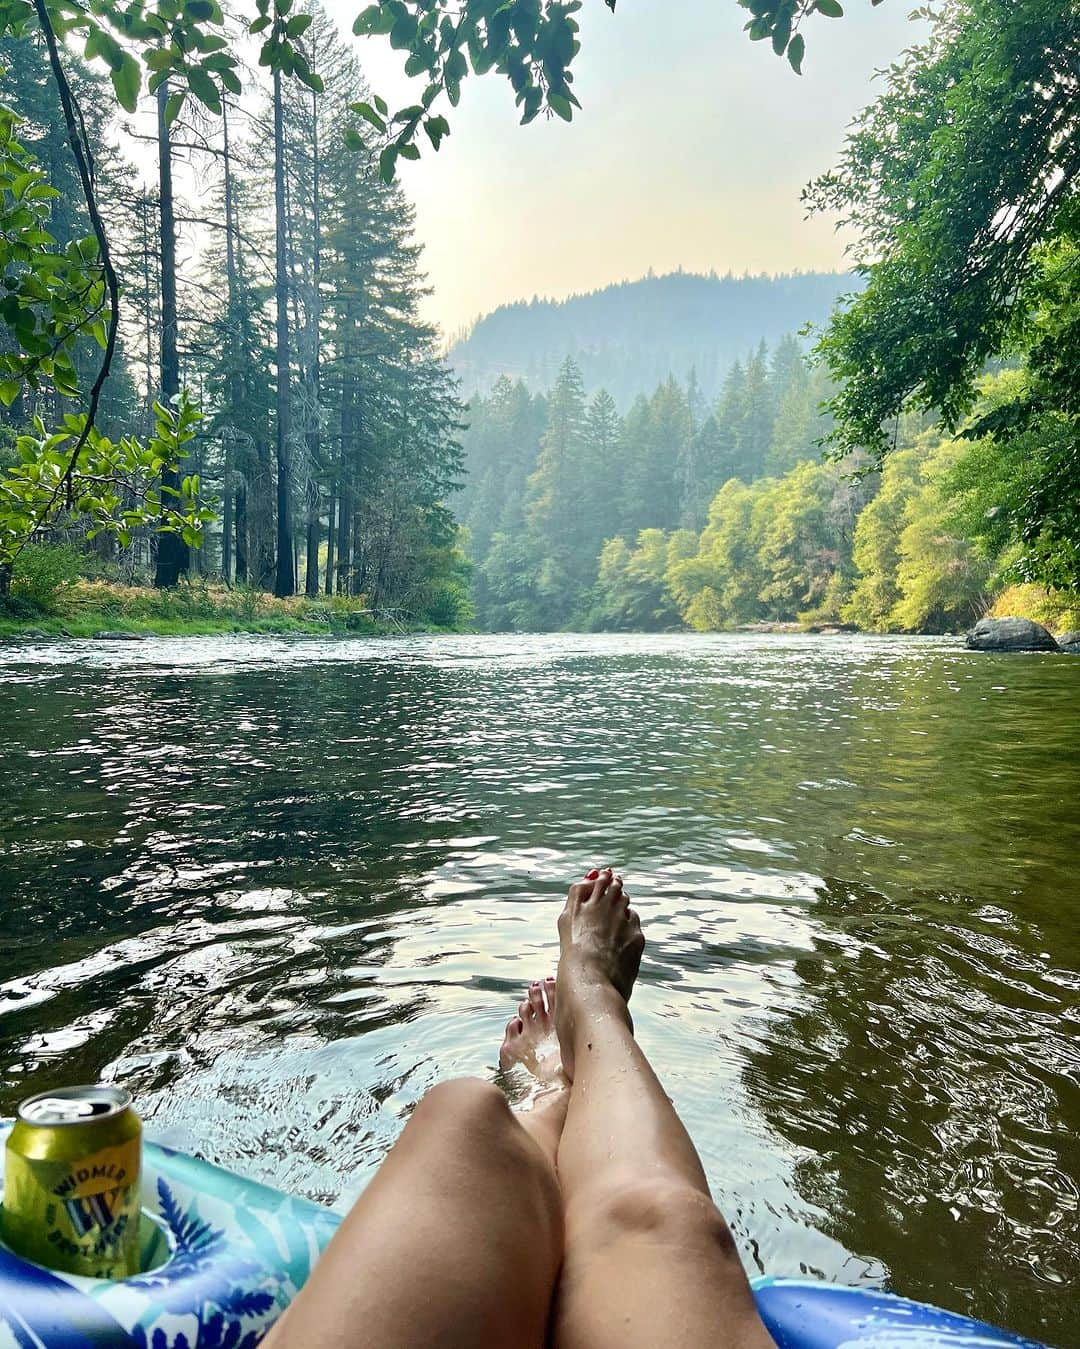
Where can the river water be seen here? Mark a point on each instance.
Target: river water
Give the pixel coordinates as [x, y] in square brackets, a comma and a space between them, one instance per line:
[279, 887]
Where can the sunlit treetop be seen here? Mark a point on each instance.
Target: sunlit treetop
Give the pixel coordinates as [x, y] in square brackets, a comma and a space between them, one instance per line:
[956, 179]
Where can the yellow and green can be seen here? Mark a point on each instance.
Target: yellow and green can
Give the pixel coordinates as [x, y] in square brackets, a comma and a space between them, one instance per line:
[72, 1182]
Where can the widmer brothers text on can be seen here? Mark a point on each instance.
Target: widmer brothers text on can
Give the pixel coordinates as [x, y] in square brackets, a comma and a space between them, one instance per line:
[71, 1182]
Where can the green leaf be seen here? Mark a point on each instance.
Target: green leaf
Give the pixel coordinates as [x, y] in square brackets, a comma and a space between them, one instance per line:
[374, 19]
[437, 128]
[832, 9]
[298, 26]
[795, 52]
[366, 111]
[403, 31]
[172, 107]
[9, 391]
[388, 163]
[409, 151]
[127, 81]
[204, 88]
[562, 106]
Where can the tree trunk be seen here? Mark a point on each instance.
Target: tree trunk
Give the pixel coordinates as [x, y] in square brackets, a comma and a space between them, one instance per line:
[311, 576]
[234, 358]
[148, 331]
[261, 564]
[329, 587]
[285, 577]
[343, 540]
[241, 534]
[173, 556]
[227, 510]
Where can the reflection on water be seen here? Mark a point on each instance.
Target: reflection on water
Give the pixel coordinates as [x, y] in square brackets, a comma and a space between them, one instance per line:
[280, 887]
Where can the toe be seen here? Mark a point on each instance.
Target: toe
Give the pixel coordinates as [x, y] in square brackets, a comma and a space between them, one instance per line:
[601, 883]
[579, 893]
[514, 1028]
[536, 999]
[525, 1010]
[549, 995]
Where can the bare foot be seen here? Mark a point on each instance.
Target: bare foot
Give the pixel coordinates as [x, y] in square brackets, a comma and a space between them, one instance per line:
[600, 953]
[531, 1047]
[531, 1040]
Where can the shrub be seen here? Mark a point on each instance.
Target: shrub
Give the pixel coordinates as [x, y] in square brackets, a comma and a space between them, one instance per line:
[449, 606]
[1057, 610]
[43, 572]
[19, 608]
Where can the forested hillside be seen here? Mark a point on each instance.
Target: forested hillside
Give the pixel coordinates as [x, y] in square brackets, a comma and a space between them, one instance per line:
[712, 515]
[630, 337]
[551, 476]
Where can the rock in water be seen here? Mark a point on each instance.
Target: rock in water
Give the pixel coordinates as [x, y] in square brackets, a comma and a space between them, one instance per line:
[1070, 642]
[118, 636]
[1009, 634]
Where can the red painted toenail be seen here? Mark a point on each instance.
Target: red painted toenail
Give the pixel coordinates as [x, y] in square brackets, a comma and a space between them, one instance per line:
[592, 875]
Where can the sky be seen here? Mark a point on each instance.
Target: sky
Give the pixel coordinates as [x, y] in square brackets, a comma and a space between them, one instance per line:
[691, 149]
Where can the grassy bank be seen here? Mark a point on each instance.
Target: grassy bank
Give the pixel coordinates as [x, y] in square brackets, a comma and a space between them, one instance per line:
[91, 608]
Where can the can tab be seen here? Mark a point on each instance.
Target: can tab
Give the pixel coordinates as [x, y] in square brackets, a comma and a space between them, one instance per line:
[58, 1110]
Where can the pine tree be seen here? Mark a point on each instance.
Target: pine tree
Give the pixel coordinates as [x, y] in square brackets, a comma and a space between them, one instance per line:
[657, 434]
[557, 509]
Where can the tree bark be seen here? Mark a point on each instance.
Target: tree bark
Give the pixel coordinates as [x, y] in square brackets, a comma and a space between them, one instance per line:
[311, 570]
[173, 556]
[344, 537]
[285, 576]
[241, 534]
[227, 511]
[233, 348]
[329, 586]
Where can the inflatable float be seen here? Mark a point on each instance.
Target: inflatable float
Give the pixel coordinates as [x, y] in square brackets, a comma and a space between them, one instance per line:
[223, 1257]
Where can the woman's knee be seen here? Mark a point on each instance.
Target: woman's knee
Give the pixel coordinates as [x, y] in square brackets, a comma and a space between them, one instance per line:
[468, 1103]
[470, 1121]
[661, 1211]
[475, 1115]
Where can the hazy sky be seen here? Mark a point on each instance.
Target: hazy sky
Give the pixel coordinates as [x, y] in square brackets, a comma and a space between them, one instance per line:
[690, 150]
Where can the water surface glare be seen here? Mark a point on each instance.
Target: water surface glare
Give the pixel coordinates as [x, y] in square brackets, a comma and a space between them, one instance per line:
[279, 887]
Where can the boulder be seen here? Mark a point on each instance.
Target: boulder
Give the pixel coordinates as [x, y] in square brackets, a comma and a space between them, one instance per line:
[1070, 642]
[1009, 634]
[118, 636]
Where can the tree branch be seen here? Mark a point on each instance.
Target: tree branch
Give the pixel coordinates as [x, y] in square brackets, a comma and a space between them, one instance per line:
[80, 149]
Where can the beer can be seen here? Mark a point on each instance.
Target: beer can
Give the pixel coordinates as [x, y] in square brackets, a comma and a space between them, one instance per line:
[71, 1182]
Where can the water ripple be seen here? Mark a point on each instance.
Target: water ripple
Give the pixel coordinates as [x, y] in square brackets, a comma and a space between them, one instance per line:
[282, 886]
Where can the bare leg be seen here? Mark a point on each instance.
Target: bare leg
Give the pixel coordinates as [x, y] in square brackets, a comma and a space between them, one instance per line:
[649, 1260]
[531, 1059]
[457, 1241]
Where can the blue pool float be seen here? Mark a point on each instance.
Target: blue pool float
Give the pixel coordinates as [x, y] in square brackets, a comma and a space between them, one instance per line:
[225, 1256]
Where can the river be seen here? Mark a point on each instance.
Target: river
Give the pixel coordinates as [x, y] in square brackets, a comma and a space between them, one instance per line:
[279, 887]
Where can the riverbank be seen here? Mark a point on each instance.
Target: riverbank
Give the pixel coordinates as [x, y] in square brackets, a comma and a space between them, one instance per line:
[195, 609]
[88, 608]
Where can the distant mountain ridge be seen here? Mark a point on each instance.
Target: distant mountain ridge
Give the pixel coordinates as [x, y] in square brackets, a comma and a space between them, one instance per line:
[631, 336]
